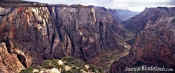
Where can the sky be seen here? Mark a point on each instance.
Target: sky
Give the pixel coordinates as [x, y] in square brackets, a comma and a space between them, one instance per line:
[133, 5]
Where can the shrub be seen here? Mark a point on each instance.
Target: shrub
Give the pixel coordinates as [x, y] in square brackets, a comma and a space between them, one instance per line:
[64, 65]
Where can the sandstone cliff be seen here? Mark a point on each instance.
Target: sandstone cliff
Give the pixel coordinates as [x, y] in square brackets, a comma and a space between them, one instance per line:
[154, 44]
[48, 32]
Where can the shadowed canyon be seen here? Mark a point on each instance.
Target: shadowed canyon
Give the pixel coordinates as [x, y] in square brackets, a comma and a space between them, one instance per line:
[43, 38]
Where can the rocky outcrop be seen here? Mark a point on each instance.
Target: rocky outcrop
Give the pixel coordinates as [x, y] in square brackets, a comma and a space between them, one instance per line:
[49, 32]
[11, 62]
[154, 44]
[147, 17]
[4, 12]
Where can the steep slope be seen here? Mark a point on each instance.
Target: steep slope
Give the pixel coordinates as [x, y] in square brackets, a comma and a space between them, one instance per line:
[126, 14]
[147, 17]
[123, 15]
[12, 60]
[154, 44]
[115, 14]
[48, 32]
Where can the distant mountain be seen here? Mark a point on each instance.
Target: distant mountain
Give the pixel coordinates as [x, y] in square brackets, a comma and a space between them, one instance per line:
[147, 17]
[125, 14]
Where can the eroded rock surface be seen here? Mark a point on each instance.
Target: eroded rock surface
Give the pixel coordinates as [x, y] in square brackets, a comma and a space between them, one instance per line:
[154, 44]
[56, 31]
[10, 61]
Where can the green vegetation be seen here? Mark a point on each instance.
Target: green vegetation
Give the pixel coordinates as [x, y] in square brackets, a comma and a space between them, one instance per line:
[64, 65]
[29, 70]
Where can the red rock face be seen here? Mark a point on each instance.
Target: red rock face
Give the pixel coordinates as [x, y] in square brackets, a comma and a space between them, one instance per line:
[57, 31]
[154, 45]
[157, 45]
[12, 62]
[151, 49]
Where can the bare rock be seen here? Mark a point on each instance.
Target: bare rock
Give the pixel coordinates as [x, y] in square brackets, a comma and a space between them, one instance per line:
[154, 44]
[9, 62]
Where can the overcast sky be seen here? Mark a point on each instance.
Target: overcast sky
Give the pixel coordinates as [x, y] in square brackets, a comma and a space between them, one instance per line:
[134, 5]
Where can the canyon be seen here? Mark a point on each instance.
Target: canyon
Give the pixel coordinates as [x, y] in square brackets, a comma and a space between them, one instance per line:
[33, 32]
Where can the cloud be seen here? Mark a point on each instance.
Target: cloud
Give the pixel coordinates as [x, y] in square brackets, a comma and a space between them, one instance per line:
[140, 5]
[136, 5]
